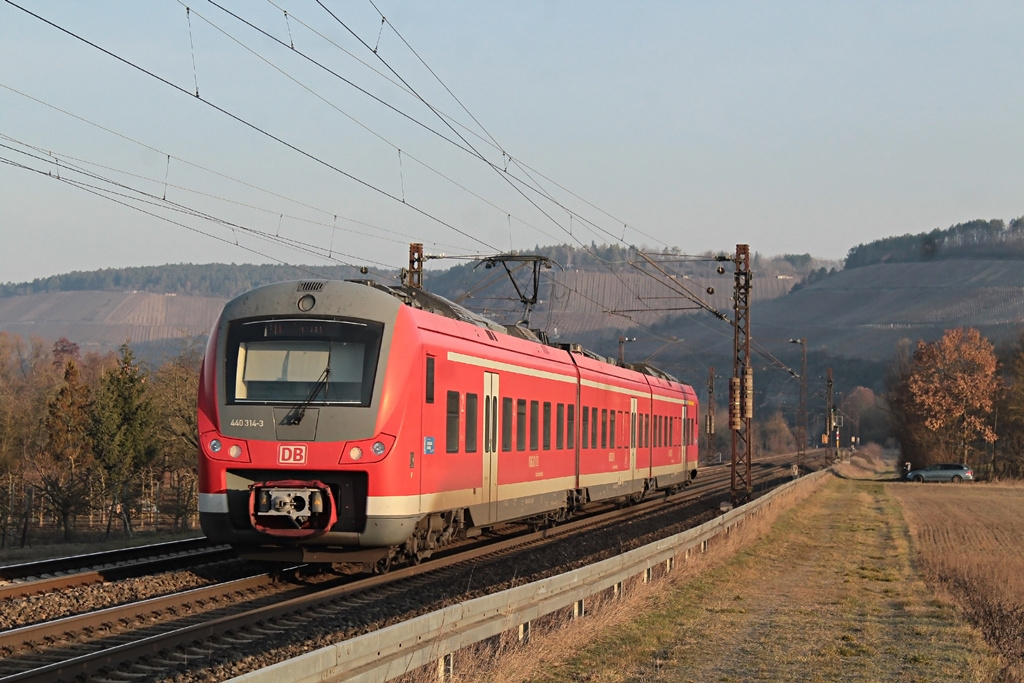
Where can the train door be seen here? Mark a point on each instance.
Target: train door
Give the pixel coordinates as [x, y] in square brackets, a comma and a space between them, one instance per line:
[491, 430]
[683, 434]
[632, 438]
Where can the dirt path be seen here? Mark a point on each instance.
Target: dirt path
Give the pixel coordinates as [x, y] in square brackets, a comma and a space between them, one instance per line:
[829, 594]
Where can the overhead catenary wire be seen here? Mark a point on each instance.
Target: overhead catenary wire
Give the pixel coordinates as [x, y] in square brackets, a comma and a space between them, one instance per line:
[487, 138]
[231, 114]
[515, 182]
[211, 171]
[313, 92]
[113, 190]
[94, 191]
[250, 125]
[395, 237]
[504, 175]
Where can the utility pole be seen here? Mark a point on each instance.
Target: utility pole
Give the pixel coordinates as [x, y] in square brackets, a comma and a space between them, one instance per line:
[709, 419]
[741, 384]
[622, 349]
[830, 415]
[801, 417]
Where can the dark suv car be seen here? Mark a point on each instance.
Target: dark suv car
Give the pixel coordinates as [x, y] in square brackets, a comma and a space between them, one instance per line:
[943, 471]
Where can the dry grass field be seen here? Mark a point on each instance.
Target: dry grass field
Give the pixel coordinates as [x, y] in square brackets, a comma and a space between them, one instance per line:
[970, 547]
[829, 590]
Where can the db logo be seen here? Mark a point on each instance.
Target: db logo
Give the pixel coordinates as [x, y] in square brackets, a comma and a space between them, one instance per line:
[291, 455]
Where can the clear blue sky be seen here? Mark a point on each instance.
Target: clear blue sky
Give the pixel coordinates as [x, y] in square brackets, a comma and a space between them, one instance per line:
[791, 126]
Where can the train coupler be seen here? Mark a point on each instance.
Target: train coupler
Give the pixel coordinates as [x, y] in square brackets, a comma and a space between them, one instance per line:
[292, 508]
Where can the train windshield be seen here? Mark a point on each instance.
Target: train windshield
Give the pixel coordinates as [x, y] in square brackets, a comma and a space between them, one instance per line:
[317, 362]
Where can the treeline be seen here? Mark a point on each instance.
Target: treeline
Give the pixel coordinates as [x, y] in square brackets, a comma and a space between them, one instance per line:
[974, 239]
[209, 279]
[228, 280]
[95, 440]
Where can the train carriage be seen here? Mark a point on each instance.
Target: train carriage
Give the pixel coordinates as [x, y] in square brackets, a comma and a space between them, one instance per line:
[343, 420]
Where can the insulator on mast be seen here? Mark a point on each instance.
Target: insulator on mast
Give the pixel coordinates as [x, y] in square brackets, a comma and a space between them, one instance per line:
[748, 393]
[735, 418]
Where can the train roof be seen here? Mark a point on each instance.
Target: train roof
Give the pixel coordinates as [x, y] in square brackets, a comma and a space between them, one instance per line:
[435, 303]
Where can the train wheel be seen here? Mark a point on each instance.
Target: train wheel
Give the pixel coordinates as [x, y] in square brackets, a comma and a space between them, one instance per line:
[382, 566]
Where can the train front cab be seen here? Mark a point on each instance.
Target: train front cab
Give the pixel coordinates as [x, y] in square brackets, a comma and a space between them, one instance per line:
[344, 475]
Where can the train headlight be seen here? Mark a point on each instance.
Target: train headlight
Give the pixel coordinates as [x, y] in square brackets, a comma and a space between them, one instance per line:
[378, 448]
[224, 448]
[355, 453]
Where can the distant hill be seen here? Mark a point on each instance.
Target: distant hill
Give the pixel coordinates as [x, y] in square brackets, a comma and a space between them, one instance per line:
[210, 279]
[852, 318]
[101, 321]
[574, 306]
[592, 297]
[864, 312]
[978, 239]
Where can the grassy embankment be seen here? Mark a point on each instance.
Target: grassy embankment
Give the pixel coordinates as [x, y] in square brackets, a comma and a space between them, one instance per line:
[839, 587]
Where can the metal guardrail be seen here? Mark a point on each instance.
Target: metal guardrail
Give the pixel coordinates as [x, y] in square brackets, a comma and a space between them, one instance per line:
[394, 651]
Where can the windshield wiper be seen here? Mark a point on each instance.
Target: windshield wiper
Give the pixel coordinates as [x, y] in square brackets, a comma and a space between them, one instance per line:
[299, 410]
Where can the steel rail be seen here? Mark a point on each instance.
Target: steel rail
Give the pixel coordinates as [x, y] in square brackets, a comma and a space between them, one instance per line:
[73, 563]
[19, 589]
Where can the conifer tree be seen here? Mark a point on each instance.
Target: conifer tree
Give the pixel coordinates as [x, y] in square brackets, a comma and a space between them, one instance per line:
[64, 466]
[122, 433]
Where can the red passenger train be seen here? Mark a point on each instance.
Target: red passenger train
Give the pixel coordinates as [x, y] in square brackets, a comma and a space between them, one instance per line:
[353, 421]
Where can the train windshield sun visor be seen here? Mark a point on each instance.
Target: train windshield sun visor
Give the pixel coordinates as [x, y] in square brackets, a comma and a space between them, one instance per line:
[302, 362]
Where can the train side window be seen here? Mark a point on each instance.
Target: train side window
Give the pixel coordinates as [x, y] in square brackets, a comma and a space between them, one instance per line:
[657, 431]
[545, 442]
[534, 424]
[604, 428]
[506, 424]
[430, 379]
[472, 415]
[671, 431]
[570, 423]
[452, 423]
[646, 434]
[560, 426]
[611, 435]
[593, 427]
[585, 437]
[521, 424]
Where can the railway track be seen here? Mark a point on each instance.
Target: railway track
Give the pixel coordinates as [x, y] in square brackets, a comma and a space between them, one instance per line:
[154, 639]
[44, 576]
